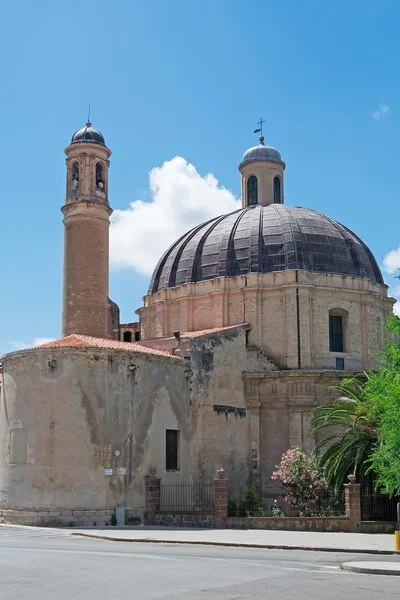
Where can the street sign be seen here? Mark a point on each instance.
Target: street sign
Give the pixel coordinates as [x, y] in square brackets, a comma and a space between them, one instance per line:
[108, 471]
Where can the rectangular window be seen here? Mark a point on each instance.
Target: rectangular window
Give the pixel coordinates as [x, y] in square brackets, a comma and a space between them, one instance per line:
[340, 364]
[335, 333]
[171, 449]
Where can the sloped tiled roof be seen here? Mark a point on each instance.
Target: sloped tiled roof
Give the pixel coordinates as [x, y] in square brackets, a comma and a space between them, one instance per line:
[195, 334]
[86, 341]
[192, 334]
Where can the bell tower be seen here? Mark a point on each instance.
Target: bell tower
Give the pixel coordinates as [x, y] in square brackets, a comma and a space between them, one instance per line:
[86, 235]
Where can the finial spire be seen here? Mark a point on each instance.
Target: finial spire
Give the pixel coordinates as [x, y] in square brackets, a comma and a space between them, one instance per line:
[88, 124]
[260, 130]
[260, 123]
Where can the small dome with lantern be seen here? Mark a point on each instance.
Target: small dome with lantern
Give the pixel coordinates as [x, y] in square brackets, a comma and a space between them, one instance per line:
[261, 152]
[88, 135]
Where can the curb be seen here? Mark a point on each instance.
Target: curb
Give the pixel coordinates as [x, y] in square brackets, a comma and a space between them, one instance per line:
[239, 545]
[382, 570]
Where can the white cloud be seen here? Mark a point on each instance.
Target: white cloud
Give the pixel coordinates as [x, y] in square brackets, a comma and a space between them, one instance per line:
[381, 112]
[391, 262]
[36, 342]
[181, 200]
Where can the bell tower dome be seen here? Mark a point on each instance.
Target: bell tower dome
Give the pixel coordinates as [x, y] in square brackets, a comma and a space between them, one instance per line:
[86, 235]
[262, 174]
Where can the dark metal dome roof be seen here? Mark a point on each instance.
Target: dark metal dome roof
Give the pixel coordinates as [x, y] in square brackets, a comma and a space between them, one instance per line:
[88, 135]
[263, 239]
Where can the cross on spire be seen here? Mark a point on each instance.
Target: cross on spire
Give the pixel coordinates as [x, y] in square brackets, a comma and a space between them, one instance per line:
[260, 130]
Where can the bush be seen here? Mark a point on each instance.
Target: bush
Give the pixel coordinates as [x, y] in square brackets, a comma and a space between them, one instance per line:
[302, 480]
[251, 506]
[132, 520]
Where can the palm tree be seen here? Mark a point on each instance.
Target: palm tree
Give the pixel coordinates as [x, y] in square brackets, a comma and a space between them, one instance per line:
[348, 446]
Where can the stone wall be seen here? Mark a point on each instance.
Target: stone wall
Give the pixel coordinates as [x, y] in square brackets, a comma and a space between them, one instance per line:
[57, 518]
[281, 404]
[268, 302]
[378, 526]
[290, 523]
[191, 519]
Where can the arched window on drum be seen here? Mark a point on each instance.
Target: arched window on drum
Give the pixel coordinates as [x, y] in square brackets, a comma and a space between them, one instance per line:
[277, 191]
[252, 190]
[99, 177]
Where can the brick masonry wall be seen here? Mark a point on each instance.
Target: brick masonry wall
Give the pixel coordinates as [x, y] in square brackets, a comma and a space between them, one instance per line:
[85, 287]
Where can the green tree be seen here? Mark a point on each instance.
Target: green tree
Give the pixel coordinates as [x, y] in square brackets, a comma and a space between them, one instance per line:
[383, 392]
[366, 424]
[353, 433]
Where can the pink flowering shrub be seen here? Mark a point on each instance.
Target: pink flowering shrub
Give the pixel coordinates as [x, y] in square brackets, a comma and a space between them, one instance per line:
[302, 480]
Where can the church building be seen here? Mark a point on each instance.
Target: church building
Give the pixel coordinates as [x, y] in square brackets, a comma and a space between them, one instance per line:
[248, 320]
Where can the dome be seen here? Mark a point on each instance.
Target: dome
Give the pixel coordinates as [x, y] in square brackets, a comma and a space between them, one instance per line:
[264, 239]
[88, 135]
[261, 152]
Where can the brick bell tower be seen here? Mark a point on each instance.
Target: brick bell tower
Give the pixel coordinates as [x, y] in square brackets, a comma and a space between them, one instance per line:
[86, 236]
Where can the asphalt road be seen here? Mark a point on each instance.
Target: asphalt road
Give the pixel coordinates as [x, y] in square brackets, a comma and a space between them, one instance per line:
[41, 565]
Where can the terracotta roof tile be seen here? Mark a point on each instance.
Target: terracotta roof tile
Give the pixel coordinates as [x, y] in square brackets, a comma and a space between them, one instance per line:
[86, 341]
[195, 334]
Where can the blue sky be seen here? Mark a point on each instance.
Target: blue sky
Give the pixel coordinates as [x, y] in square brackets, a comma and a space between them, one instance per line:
[190, 80]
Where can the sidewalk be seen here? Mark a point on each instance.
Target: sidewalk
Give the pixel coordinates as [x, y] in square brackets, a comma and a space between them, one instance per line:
[295, 540]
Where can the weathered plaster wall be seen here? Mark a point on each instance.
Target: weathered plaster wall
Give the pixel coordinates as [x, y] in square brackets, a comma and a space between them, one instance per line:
[60, 425]
[220, 420]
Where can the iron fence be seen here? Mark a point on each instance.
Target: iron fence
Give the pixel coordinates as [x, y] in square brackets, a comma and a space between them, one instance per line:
[186, 497]
[378, 507]
[272, 503]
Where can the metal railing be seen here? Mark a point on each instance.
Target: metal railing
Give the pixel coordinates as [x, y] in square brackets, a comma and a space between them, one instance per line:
[378, 507]
[186, 497]
[272, 503]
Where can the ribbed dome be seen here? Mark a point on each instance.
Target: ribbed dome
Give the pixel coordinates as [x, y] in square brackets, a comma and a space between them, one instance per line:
[261, 152]
[263, 239]
[88, 135]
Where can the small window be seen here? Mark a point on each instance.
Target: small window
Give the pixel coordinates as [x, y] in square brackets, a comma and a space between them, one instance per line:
[340, 364]
[75, 172]
[99, 175]
[171, 449]
[335, 333]
[137, 336]
[277, 190]
[252, 190]
[127, 336]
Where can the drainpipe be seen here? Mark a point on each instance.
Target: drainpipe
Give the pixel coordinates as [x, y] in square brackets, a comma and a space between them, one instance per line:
[298, 323]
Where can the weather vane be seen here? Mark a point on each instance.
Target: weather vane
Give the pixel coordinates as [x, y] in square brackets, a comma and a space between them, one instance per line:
[88, 118]
[260, 123]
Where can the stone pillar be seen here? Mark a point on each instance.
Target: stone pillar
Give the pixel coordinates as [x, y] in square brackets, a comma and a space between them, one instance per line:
[152, 498]
[221, 496]
[352, 493]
